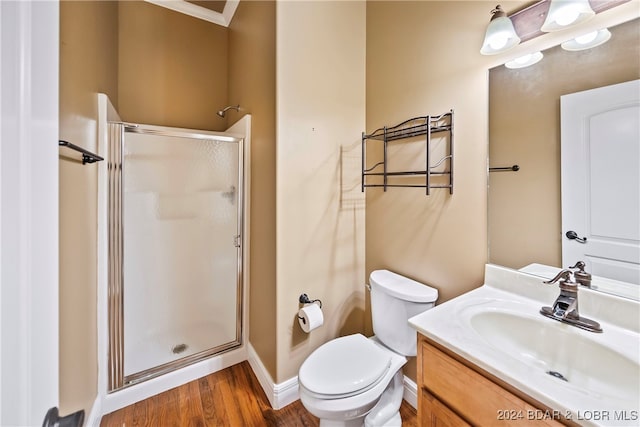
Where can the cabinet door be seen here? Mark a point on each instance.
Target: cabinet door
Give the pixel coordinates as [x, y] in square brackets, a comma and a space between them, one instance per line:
[434, 413]
[468, 393]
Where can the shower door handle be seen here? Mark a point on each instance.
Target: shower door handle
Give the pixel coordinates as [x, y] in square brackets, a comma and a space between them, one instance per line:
[236, 241]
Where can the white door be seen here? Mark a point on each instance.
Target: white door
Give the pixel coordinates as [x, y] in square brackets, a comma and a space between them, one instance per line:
[601, 180]
[28, 211]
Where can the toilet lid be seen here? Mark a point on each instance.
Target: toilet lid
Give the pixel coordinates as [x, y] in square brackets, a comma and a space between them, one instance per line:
[344, 365]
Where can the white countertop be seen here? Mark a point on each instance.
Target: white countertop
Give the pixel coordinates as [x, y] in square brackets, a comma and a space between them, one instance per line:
[508, 290]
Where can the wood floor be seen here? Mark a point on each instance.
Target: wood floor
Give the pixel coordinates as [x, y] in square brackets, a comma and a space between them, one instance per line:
[231, 397]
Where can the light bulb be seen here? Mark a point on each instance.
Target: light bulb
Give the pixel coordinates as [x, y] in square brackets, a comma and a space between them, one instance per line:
[564, 13]
[500, 35]
[523, 59]
[498, 41]
[587, 41]
[566, 16]
[587, 38]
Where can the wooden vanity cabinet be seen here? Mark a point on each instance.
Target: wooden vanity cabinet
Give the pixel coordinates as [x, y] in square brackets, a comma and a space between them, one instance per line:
[452, 393]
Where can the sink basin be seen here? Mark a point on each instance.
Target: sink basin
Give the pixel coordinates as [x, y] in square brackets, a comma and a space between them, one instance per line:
[592, 379]
[573, 357]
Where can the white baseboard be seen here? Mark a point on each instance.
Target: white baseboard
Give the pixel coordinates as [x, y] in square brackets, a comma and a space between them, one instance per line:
[95, 416]
[410, 392]
[279, 395]
[285, 393]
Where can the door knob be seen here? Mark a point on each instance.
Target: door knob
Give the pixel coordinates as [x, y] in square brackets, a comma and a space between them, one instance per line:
[572, 235]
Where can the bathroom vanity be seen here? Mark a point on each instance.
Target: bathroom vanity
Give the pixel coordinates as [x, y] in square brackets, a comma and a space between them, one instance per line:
[453, 390]
[489, 358]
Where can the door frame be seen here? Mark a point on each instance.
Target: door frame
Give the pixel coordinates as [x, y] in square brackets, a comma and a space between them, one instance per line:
[29, 58]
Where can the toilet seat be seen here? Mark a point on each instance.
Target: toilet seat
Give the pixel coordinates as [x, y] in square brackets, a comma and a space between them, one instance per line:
[344, 367]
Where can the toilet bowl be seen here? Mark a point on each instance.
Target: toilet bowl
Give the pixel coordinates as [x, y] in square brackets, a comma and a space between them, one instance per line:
[356, 381]
[346, 394]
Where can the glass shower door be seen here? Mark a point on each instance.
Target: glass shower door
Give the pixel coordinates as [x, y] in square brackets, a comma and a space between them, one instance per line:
[181, 256]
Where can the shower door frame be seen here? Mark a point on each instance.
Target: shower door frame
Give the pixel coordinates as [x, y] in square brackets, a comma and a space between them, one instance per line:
[115, 299]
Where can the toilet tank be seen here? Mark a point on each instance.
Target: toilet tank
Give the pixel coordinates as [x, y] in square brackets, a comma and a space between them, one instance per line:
[394, 299]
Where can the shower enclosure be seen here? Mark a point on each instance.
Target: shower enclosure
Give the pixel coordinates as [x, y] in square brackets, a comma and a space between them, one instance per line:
[175, 205]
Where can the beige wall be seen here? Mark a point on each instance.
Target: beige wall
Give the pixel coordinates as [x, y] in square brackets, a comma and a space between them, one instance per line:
[252, 67]
[172, 68]
[320, 211]
[423, 58]
[524, 128]
[88, 65]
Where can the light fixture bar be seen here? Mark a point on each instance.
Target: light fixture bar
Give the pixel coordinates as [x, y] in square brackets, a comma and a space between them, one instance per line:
[527, 22]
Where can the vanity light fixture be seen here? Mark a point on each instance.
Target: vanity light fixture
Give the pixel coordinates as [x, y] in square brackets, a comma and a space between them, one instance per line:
[564, 13]
[500, 35]
[587, 41]
[525, 60]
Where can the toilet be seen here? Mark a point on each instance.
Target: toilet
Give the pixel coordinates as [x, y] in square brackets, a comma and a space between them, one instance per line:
[356, 381]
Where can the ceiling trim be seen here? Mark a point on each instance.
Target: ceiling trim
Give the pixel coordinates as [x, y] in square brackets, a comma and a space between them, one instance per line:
[200, 12]
[230, 10]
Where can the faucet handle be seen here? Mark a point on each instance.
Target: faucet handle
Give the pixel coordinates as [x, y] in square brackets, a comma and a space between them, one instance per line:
[565, 279]
[582, 276]
[580, 265]
[565, 275]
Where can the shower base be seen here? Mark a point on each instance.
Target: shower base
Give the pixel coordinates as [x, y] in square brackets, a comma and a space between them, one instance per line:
[154, 350]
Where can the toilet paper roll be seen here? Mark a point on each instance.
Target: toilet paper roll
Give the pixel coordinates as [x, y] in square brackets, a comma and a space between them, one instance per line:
[310, 317]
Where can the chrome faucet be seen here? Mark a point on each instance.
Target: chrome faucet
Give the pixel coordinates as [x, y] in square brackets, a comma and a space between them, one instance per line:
[565, 307]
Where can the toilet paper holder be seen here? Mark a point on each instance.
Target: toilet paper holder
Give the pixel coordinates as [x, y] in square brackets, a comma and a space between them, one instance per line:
[304, 299]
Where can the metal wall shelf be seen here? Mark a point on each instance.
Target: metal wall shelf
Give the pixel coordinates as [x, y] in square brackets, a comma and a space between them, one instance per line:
[415, 127]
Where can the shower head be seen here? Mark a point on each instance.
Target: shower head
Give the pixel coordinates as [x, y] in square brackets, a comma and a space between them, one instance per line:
[222, 112]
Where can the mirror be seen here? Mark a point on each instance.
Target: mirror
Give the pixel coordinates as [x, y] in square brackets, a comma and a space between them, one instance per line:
[525, 213]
